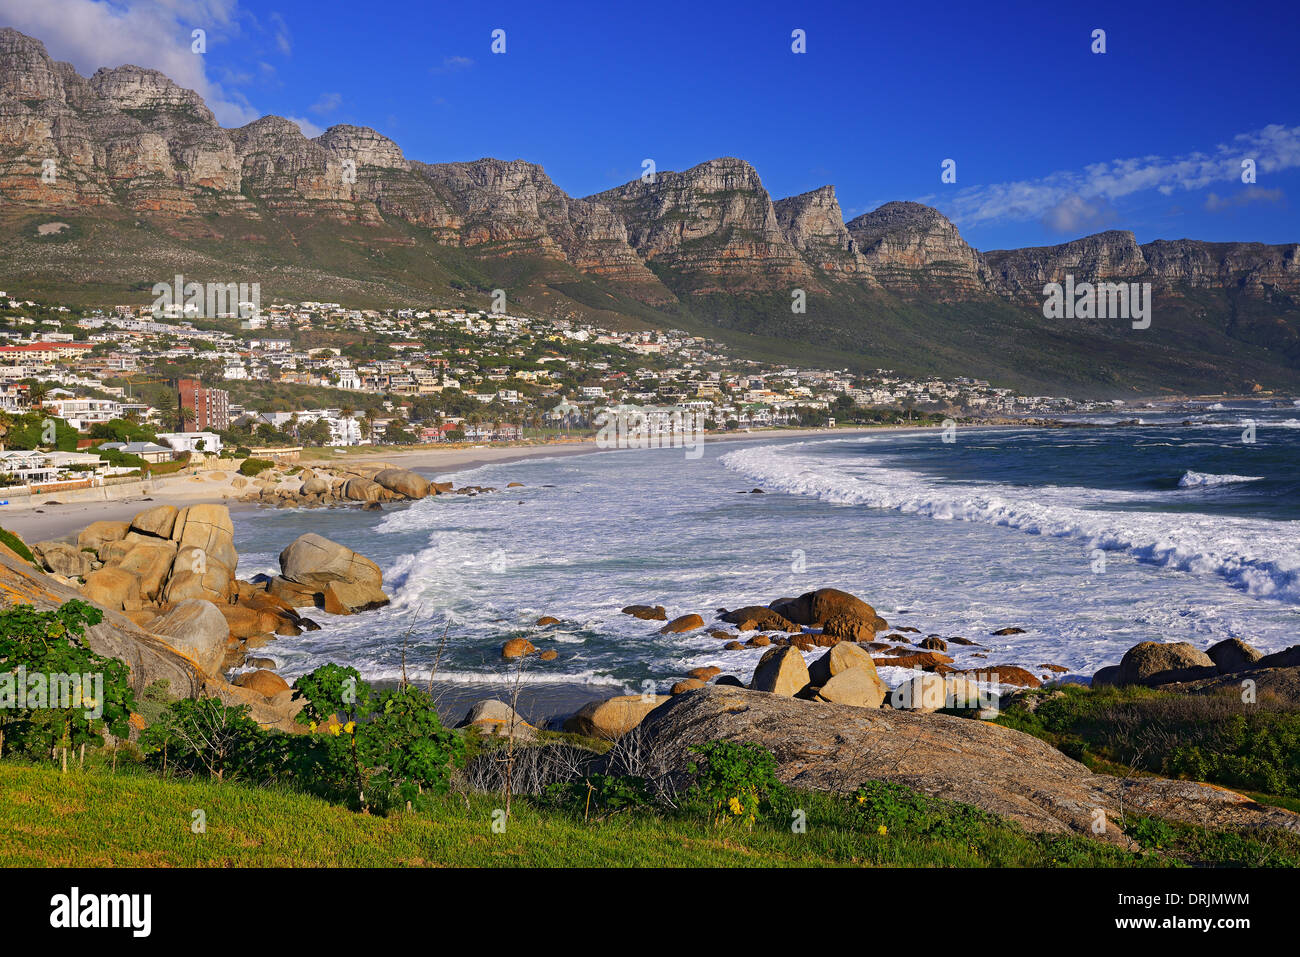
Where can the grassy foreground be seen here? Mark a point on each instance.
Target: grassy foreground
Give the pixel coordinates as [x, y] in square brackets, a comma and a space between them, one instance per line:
[96, 818]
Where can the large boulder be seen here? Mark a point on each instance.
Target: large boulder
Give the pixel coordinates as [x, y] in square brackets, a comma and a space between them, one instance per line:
[857, 686]
[293, 594]
[842, 657]
[1286, 658]
[1154, 663]
[98, 534]
[930, 692]
[314, 561]
[348, 598]
[403, 482]
[682, 623]
[63, 559]
[822, 746]
[781, 671]
[362, 490]
[1233, 654]
[613, 717]
[758, 618]
[266, 683]
[113, 588]
[818, 607]
[207, 527]
[197, 629]
[153, 563]
[196, 574]
[158, 521]
[498, 718]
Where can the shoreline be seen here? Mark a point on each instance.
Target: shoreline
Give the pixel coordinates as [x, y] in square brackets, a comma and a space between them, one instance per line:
[47, 518]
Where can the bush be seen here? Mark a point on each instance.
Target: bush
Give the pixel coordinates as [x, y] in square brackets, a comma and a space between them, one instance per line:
[732, 781]
[601, 795]
[50, 644]
[884, 806]
[392, 746]
[1214, 738]
[252, 466]
[204, 736]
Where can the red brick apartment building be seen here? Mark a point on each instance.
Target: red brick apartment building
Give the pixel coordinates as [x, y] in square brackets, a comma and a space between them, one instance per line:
[211, 406]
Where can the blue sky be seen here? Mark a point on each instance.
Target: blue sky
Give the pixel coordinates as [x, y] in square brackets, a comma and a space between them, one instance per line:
[1051, 141]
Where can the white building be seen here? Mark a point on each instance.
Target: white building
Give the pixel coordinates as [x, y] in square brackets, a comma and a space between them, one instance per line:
[207, 443]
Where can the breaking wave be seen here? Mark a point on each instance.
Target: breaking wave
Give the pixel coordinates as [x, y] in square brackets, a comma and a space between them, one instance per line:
[1258, 556]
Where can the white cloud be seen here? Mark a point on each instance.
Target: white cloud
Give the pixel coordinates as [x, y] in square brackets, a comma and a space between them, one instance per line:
[1070, 199]
[309, 129]
[1215, 203]
[326, 104]
[453, 64]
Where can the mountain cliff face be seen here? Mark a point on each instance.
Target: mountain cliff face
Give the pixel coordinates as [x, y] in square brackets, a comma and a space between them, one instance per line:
[152, 184]
[701, 224]
[909, 247]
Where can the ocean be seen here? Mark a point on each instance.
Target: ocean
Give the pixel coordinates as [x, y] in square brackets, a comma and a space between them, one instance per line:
[1090, 539]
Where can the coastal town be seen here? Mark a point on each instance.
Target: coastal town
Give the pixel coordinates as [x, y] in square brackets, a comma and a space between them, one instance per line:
[127, 388]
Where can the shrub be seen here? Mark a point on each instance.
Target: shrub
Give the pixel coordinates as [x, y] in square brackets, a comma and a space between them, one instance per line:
[732, 781]
[204, 736]
[602, 795]
[885, 806]
[251, 466]
[51, 643]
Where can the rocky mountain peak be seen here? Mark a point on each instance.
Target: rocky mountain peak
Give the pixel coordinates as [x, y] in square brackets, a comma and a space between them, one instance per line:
[909, 245]
[133, 88]
[26, 70]
[363, 145]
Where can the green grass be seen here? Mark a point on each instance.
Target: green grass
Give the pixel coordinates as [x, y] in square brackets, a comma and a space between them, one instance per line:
[93, 817]
[1213, 738]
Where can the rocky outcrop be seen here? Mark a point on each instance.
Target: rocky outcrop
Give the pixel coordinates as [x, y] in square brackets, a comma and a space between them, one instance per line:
[823, 746]
[614, 717]
[337, 578]
[912, 248]
[1154, 663]
[703, 222]
[197, 629]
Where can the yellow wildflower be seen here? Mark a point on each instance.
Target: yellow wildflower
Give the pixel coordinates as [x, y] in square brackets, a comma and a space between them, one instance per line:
[350, 727]
[882, 830]
[736, 806]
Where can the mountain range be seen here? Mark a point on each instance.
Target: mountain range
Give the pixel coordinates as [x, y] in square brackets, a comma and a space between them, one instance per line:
[145, 184]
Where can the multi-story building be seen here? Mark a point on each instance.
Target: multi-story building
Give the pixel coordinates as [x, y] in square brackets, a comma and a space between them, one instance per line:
[211, 406]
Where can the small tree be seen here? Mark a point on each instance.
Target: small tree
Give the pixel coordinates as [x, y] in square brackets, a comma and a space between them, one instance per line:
[51, 644]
